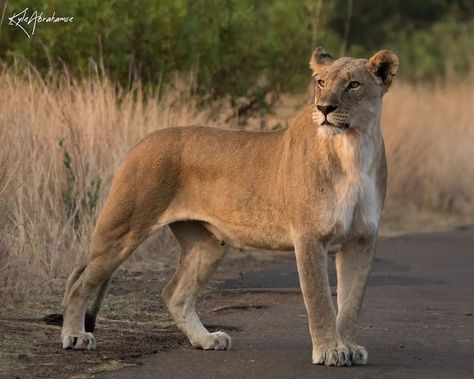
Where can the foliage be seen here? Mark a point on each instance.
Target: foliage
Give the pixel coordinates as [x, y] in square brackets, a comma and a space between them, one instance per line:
[246, 50]
[432, 38]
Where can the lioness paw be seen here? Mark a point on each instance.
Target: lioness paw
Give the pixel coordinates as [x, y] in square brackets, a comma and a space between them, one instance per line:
[80, 341]
[359, 355]
[213, 341]
[338, 356]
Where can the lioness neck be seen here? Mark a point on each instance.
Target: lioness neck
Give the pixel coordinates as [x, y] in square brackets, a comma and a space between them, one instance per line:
[353, 151]
[349, 154]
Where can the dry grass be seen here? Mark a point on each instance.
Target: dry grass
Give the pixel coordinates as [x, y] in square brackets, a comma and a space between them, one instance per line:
[53, 203]
[49, 196]
[429, 135]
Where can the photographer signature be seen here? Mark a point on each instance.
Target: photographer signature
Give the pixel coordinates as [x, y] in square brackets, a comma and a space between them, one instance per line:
[23, 20]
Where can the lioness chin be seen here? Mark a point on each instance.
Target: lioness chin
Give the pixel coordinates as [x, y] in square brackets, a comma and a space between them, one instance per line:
[318, 183]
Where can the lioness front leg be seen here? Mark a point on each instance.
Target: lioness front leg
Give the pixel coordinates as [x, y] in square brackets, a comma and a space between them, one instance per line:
[353, 264]
[328, 347]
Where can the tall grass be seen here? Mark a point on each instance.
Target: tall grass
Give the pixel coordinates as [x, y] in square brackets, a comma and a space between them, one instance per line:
[66, 137]
[61, 140]
[429, 136]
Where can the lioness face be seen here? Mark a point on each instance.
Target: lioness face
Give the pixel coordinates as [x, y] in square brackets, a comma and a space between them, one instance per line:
[348, 91]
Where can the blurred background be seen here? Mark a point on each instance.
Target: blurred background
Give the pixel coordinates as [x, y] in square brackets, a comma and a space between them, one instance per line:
[75, 96]
[244, 48]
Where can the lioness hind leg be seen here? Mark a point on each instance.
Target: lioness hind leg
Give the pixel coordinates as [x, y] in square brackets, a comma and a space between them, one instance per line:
[104, 259]
[91, 313]
[201, 255]
[353, 264]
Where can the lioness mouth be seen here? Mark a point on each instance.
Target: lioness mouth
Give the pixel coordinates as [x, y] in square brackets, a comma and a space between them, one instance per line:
[340, 126]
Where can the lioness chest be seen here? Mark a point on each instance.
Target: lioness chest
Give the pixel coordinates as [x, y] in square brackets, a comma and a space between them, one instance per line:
[354, 210]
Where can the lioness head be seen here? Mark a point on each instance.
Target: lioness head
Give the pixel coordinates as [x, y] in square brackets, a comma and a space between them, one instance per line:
[348, 91]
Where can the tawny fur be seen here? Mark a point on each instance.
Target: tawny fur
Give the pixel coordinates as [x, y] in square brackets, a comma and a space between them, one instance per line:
[318, 183]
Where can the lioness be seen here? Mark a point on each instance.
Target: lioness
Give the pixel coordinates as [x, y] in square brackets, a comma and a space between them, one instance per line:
[318, 183]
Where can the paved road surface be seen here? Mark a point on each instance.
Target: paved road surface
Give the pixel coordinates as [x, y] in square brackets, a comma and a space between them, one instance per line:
[417, 321]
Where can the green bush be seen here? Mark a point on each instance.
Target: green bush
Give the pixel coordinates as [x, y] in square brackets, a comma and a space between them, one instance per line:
[247, 50]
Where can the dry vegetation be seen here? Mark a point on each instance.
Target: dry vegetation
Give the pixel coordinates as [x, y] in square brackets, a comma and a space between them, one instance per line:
[62, 139]
[429, 137]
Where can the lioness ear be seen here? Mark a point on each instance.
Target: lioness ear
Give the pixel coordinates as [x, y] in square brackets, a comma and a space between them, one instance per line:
[319, 58]
[384, 65]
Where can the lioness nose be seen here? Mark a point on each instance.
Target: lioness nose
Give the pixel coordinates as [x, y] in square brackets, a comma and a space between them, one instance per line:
[326, 109]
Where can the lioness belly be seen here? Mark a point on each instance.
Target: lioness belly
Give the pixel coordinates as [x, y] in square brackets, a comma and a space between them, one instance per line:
[264, 237]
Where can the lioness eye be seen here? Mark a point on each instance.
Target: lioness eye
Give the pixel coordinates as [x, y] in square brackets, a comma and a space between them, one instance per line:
[354, 84]
[321, 83]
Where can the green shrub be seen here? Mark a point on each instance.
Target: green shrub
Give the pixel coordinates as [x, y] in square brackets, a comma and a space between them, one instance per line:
[248, 51]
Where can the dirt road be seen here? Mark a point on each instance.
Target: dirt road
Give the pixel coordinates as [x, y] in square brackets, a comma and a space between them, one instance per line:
[417, 320]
